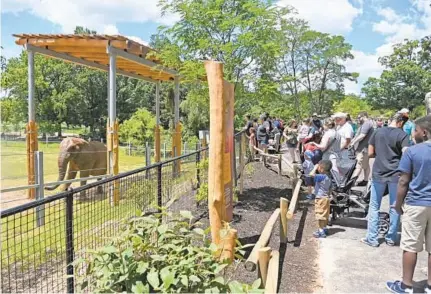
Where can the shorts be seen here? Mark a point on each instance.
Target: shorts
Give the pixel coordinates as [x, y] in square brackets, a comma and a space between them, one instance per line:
[416, 228]
[321, 208]
[308, 181]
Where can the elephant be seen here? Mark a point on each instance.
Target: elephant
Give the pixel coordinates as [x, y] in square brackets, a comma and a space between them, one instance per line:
[89, 158]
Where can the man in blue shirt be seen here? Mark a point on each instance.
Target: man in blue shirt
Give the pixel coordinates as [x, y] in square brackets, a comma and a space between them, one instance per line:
[414, 203]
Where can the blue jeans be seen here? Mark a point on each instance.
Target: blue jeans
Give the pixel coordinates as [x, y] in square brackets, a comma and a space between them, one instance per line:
[378, 188]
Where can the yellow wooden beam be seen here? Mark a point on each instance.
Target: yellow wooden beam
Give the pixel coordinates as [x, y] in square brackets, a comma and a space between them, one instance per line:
[77, 49]
[63, 42]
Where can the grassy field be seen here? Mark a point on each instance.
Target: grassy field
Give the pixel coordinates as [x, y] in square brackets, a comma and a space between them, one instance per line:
[28, 245]
[13, 162]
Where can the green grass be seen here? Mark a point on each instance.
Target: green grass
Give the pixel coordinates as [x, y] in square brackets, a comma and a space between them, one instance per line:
[14, 160]
[25, 243]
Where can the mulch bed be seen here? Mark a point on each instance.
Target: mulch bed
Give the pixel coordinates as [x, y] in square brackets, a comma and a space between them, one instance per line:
[299, 270]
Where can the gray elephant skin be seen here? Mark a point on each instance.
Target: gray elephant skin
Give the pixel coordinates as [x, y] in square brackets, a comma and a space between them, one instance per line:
[89, 158]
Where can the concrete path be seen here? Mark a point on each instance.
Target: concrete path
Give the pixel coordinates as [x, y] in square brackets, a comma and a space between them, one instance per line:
[348, 266]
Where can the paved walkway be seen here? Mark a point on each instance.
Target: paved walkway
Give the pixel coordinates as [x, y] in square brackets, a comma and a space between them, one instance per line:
[348, 266]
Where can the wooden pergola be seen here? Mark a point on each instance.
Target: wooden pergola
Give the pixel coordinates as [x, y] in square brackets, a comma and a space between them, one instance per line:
[113, 54]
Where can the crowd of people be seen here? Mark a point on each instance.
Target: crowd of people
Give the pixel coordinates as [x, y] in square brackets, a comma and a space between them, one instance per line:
[402, 166]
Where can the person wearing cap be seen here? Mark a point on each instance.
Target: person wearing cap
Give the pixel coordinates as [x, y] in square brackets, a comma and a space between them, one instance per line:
[345, 132]
[386, 145]
[409, 126]
[316, 124]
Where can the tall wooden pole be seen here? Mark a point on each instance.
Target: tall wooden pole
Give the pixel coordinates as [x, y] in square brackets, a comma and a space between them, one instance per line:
[214, 72]
[157, 129]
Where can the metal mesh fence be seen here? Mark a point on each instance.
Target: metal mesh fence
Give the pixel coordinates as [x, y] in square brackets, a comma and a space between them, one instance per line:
[38, 248]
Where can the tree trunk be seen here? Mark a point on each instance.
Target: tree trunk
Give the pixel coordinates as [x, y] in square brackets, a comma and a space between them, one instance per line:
[59, 130]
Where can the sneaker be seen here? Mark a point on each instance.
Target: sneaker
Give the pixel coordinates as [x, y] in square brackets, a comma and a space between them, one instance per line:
[427, 289]
[319, 234]
[367, 242]
[390, 242]
[362, 183]
[310, 197]
[398, 287]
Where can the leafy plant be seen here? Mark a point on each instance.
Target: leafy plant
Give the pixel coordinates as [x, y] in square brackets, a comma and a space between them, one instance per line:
[202, 193]
[150, 256]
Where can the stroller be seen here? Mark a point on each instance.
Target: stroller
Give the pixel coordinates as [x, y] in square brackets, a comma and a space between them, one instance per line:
[344, 197]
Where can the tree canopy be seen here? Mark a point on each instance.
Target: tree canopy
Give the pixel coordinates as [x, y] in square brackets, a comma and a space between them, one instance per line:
[406, 78]
[276, 62]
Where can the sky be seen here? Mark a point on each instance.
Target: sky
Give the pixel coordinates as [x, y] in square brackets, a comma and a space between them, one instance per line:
[370, 26]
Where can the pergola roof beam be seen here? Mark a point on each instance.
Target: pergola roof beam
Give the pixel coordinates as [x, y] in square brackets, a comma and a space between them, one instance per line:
[126, 55]
[84, 62]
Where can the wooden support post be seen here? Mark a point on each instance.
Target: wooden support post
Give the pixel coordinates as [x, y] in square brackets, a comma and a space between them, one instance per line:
[283, 220]
[242, 163]
[294, 200]
[272, 280]
[32, 147]
[216, 207]
[251, 262]
[228, 245]
[263, 255]
[279, 164]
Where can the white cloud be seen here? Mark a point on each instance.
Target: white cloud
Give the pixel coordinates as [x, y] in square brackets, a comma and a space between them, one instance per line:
[94, 14]
[329, 16]
[110, 30]
[139, 40]
[396, 27]
[366, 65]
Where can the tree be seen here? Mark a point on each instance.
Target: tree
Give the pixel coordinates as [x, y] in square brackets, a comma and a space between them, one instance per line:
[238, 33]
[406, 77]
[139, 128]
[353, 105]
[54, 88]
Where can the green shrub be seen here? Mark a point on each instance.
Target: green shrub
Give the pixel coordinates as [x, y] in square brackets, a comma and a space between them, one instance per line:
[202, 193]
[150, 256]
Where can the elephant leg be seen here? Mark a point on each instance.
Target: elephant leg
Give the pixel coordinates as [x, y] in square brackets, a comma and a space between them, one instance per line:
[70, 176]
[84, 174]
[100, 187]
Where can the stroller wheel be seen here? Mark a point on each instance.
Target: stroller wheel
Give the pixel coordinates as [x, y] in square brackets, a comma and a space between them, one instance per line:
[383, 227]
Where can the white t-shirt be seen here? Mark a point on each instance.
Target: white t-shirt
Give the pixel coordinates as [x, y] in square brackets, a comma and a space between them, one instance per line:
[345, 132]
[332, 142]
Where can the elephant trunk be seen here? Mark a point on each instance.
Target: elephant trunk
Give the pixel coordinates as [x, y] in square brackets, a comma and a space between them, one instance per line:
[62, 167]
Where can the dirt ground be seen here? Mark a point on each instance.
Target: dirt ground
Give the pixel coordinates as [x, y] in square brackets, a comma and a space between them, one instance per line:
[299, 270]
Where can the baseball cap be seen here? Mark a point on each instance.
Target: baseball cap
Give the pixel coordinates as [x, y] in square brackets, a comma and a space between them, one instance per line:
[404, 110]
[339, 115]
[315, 114]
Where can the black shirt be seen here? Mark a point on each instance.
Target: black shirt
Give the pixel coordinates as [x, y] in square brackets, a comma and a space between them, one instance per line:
[317, 124]
[248, 126]
[388, 143]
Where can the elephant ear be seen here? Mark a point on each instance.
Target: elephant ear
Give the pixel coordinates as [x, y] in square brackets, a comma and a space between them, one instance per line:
[75, 145]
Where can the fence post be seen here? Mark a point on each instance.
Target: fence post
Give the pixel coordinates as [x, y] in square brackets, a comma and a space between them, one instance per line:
[185, 148]
[130, 148]
[198, 160]
[46, 139]
[174, 163]
[159, 188]
[40, 210]
[147, 158]
[70, 252]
